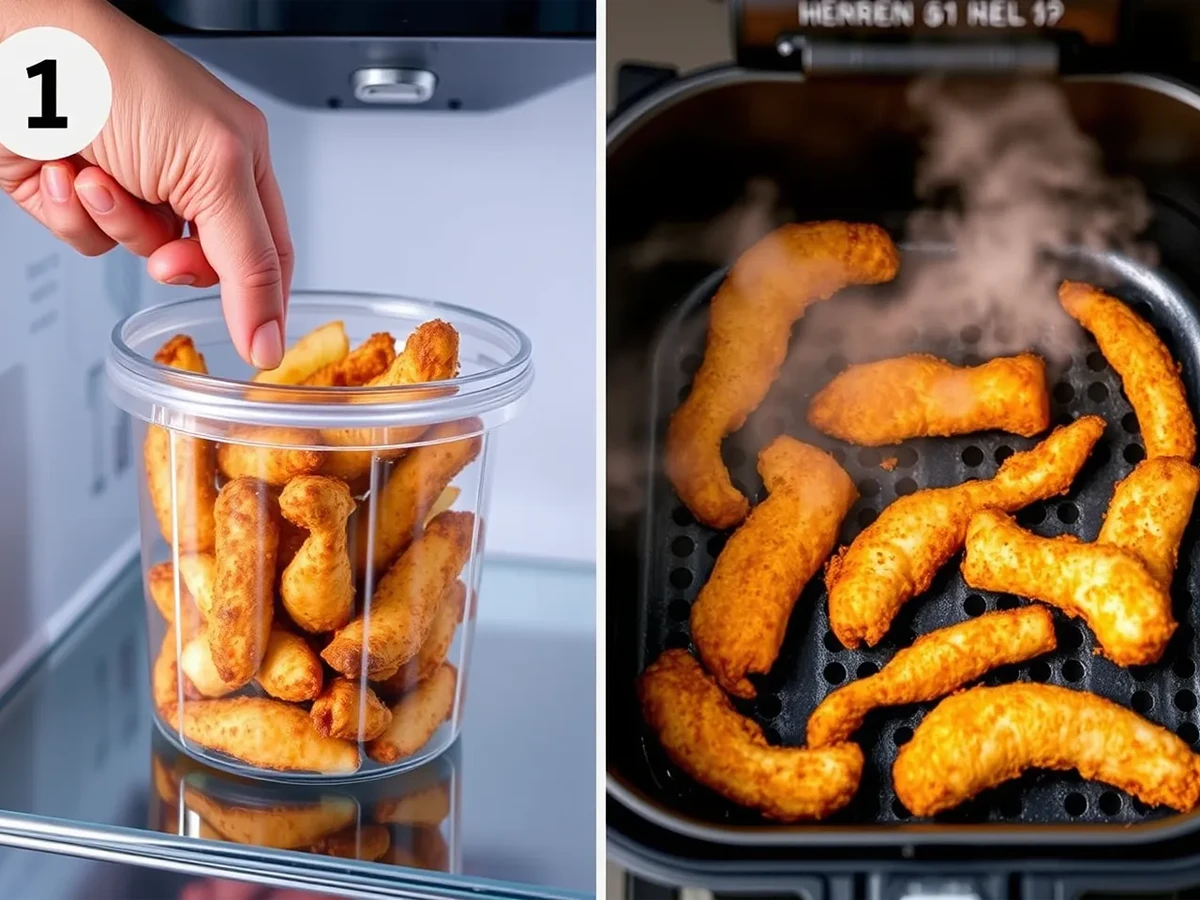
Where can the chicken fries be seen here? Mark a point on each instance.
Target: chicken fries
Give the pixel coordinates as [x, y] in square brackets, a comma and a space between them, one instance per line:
[1149, 510]
[986, 736]
[437, 644]
[271, 455]
[705, 736]
[321, 347]
[919, 395]
[345, 710]
[317, 587]
[367, 361]
[750, 322]
[935, 665]
[738, 620]
[416, 717]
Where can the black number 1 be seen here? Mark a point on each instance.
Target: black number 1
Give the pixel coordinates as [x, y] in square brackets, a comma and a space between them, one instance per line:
[47, 70]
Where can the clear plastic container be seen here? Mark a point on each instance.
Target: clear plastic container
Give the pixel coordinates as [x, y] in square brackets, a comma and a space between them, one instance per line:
[271, 512]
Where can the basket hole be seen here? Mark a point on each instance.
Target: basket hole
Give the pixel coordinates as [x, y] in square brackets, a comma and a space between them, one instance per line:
[1039, 671]
[769, 706]
[1006, 674]
[1110, 803]
[1134, 454]
[972, 456]
[1010, 805]
[734, 456]
[1075, 804]
[838, 454]
[832, 644]
[899, 811]
[1185, 634]
[1101, 455]
[866, 517]
[869, 457]
[1096, 361]
[1072, 670]
[974, 605]
[906, 457]
[971, 334]
[835, 673]
[1067, 513]
[1140, 673]
[678, 640]
[1007, 601]
[1063, 392]
[1003, 335]
[1185, 701]
[1142, 308]
[868, 487]
[1142, 701]
[1070, 636]
[689, 364]
[867, 669]
[1130, 423]
[1097, 392]
[679, 610]
[835, 363]
[1184, 667]
[682, 517]
[902, 735]
[1003, 452]
[1032, 515]
[683, 546]
[681, 578]
[905, 486]
[772, 736]
[1188, 733]
[972, 359]
[1140, 808]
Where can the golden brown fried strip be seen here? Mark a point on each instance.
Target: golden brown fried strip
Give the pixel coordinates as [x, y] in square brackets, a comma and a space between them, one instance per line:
[427, 806]
[401, 505]
[243, 594]
[433, 652]
[197, 664]
[706, 737]
[290, 670]
[416, 717]
[266, 733]
[750, 321]
[345, 711]
[322, 346]
[317, 586]
[194, 476]
[160, 584]
[1149, 375]
[1149, 511]
[739, 619]
[198, 572]
[986, 736]
[164, 677]
[291, 457]
[919, 395]
[281, 827]
[368, 360]
[1110, 589]
[405, 602]
[935, 665]
[367, 842]
[895, 558]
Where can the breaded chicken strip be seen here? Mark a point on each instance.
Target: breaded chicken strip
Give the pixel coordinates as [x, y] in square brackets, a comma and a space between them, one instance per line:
[368, 360]
[707, 738]
[935, 665]
[416, 717]
[740, 616]
[1148, 373]
[1149, 511]
[896, 557]
[919, 395]
[317, 586]
[750, 321]
[1110, 589]
[272, 455]
[986, 736]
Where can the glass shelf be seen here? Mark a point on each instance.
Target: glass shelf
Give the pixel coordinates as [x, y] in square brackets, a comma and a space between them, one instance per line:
[508, 812]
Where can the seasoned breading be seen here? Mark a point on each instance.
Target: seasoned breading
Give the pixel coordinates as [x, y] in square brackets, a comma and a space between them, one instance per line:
[1110, 589]
[707, 738]
[896, 557]
[1149, 510]
[919, 395]
[416, 717]
[367, 361]
[1149, 375]
[750, 321]
[741, 614]
[986, 736]
[935, 665]
[317, 586]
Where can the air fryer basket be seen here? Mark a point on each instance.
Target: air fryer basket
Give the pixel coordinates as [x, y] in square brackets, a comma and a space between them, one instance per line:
[845, 150]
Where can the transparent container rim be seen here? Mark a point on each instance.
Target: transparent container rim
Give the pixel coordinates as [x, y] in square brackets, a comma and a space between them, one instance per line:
[145, 388]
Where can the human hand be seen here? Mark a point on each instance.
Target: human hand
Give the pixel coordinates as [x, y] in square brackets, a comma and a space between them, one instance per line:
[178, 148]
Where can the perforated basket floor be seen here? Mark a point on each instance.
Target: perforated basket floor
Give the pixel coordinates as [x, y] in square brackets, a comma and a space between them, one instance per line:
[680, 554]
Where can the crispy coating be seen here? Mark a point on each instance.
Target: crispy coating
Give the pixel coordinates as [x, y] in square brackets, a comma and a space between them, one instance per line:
[707, 738]
[322, 346]
[895, 558]
[1127, 609]
[164, 677]
[290, 670]
[197, 664]
[741, 614]
[416, 717]
[919, 395]
[276, 465]
[750, 321]
[1149, 375]
[345, 711]
[198, 572]
[160, 585]
[935, 665]
[406, 601]
[239, 623]
[986, 736]
[368, 360]
[412, 488]
[269, 734]
[427, 806]
[433, 652]
[367, 842]
[194, 479]
[317, 587]
[1149, 510]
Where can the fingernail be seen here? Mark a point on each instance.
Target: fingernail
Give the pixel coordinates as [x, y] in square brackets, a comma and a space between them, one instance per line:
[266, 347]
[95, 197]
[58, 184]
[183, 280]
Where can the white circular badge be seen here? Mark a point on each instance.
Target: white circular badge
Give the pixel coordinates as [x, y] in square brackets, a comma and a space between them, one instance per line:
[55, 93]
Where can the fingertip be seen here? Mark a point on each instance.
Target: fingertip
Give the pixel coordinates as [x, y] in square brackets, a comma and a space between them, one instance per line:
[266, 345]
